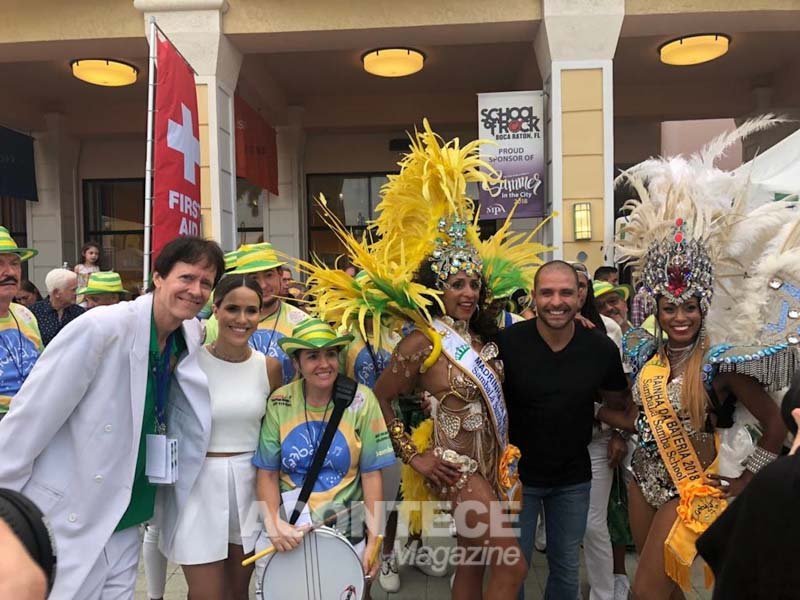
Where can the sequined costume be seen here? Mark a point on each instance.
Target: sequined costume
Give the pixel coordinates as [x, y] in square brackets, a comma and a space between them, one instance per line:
[466, 429]
[462, 428]
[648, 469]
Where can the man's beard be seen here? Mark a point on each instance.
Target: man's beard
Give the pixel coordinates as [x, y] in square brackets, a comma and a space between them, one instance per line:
[270, 304]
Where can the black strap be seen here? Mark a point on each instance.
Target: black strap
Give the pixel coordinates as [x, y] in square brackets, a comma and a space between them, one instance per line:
[344, 390]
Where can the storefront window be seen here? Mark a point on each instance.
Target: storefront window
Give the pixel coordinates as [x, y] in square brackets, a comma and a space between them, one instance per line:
[250, 201]
[13, 218]
[114, 217]
[352, 198]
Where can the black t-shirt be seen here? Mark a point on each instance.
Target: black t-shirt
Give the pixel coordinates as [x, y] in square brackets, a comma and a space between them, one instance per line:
[550, 397]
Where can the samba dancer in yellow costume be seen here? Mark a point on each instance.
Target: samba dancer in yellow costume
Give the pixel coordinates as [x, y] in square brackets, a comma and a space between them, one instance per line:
[462, 454]
[424, 277]
[678, 239]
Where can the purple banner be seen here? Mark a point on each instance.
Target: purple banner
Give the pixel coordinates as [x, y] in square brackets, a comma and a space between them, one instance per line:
[515, 121]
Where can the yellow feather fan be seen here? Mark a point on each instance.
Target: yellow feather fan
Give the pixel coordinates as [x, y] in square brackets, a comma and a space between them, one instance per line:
[413, 484]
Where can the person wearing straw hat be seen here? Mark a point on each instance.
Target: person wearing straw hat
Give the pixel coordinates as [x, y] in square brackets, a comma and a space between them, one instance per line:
[102, 289]
[20, 340]
[611, 301]
[278, 318]
[297, 415]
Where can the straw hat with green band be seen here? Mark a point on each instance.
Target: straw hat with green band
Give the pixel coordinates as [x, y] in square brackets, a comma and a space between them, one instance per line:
[9, 246]
[103, 282]
[604, 287]
[313, 334]
[253, 258]
[230, 260]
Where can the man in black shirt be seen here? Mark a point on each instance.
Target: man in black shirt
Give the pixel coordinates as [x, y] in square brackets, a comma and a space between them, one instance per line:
[555, 370]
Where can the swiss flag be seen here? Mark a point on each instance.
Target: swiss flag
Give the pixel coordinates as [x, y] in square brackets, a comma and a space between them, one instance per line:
[176, 199]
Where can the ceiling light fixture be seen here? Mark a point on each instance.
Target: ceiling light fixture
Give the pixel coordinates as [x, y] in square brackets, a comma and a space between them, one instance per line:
[694, 49]
[104, 71]
[393, 62]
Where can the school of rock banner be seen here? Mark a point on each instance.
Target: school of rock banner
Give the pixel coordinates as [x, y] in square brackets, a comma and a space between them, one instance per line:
[515, 121]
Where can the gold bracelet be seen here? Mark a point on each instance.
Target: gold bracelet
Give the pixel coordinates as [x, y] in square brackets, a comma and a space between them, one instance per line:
[401, 441]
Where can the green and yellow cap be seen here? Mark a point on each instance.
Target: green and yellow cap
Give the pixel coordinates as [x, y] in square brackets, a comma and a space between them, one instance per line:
[252, 258]
[9, 246]
[103, 282]
[604, 287]
[313, 334]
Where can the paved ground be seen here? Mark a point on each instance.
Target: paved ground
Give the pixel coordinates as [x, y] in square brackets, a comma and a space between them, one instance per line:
[416, 586]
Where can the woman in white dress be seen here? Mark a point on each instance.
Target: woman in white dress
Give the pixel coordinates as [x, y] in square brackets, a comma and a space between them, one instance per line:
[218, 527]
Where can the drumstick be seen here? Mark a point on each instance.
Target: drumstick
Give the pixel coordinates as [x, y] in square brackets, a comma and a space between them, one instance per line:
[373, 558]
[271, 549]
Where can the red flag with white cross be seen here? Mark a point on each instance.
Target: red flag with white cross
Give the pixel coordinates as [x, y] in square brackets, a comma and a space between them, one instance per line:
[176, 165]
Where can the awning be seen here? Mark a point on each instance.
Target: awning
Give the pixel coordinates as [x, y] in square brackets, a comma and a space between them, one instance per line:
[17, 171]
[776, 171]
[256, 147]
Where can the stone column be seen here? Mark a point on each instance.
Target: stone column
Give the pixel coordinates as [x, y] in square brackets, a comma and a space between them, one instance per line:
[574, 48]
[52, 226]
[285, 215]
[195, 28]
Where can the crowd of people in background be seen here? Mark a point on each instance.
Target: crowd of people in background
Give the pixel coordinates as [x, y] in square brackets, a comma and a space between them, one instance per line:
[522, 395]
[576, 472]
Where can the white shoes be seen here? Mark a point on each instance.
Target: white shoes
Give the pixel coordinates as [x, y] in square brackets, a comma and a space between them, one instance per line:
[422, 559]
[389, 577]
[622, 587]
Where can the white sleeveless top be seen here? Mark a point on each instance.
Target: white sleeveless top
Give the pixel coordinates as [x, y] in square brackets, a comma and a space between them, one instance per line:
[239, 393]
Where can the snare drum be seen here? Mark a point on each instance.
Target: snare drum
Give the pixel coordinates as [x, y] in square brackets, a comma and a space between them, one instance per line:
[325, 566]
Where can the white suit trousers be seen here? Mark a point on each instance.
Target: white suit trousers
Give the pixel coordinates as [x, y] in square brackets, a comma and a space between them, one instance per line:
[597, 540]
[113, 575]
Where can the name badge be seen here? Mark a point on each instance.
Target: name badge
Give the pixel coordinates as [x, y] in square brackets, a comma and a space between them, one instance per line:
[161, 466]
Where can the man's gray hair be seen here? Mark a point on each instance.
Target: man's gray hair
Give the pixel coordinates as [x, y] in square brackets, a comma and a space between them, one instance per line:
[59, 279]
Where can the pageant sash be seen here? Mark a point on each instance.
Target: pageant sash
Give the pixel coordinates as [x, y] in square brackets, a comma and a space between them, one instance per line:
[462, 354]
[700, 504]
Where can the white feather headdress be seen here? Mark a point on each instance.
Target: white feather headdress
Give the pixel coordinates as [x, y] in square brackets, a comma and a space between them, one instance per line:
[749, 245]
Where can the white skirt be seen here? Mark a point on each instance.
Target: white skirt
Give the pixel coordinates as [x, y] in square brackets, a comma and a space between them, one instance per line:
[221, 510]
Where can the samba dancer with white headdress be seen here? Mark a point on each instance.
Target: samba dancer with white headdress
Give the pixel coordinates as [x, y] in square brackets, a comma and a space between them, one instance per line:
[694, 234]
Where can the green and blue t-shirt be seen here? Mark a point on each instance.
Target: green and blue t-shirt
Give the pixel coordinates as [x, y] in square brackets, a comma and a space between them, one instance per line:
[366, 363]
[288, 441]
[20, 346]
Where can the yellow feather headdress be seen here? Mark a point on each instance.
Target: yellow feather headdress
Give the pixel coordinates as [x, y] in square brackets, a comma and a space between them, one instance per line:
[424, 214]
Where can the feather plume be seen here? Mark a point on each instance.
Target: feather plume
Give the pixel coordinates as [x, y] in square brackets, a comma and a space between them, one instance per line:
[717, 147]
[510, 260]
[431, 186]
[384, 289]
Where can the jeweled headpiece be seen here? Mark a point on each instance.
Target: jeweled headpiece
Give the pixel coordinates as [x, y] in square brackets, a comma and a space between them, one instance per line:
[453, 253]
[679, 268]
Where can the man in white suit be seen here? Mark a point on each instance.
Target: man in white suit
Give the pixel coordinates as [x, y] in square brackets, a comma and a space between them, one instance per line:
[74, 439]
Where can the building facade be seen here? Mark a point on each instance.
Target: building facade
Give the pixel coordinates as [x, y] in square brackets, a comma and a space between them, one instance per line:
[298, 64]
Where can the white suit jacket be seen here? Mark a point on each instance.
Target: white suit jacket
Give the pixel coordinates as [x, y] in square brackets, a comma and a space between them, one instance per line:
[71, 437]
